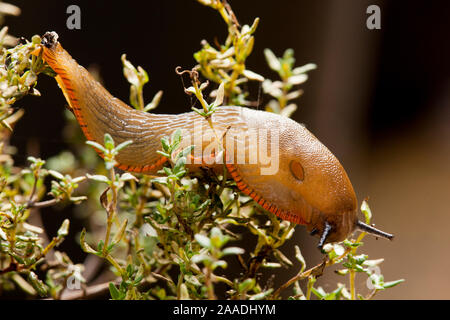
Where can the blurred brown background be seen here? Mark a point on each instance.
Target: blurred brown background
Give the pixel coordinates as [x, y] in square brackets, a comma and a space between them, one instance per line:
[380, 100]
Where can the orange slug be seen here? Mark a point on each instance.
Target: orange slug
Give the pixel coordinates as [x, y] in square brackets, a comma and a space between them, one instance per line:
[273, 159]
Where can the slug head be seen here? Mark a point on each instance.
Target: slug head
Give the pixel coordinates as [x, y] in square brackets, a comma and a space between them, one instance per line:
[323, 192]
[320, 188]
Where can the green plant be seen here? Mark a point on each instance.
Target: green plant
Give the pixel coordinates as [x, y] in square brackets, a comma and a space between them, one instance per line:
[165, 237]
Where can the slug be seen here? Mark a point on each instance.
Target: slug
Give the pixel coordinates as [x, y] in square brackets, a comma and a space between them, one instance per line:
[292, 175]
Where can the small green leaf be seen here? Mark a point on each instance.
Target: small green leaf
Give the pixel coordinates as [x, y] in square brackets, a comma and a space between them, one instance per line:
[3, 235]
[204, 241]
[297, 79]
[246, 285]
[100, 246]
[373, 263]
[184, 293]
[130, 270]
[300, 258]
[304, 69]
[289, 110]
[190, 90]
[336, 294]
[217, 238]
[129, 71]
[77, 200]
[342, 272]
[201, 258]
[96, 145]
[115, 293]
[98, 177]
[261, 295]
[139, 275]
[319, 292]
[167, 171]
[272, 60]
[232, 250]
[120, 232]
[109, 142]
[272, 265]
[350, 244]
[338, 249]
[164, 154]
[155, 102]
[86, 248]
[366, 211]
[180, 173]
[37, 284]
[78, 179]
[56, 174]
[64, 229]
[192, 280]
[359, 259]
[109, 164]
[220, 95]
[6, 125]
[253, 75]
[128, 176]
[186, 151]
[282, 258]
[199, 111]
[123, 145]
[175, 139]
[165, 144]
[179, 165]
[254, 26]
[143, 76]
[160, 180]
[391, 284]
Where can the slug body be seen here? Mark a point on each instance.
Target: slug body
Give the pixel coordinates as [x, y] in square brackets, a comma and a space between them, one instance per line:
[307, 184]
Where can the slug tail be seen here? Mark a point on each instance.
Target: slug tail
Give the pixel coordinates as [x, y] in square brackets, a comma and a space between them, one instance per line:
[55, 56]
[82, 91]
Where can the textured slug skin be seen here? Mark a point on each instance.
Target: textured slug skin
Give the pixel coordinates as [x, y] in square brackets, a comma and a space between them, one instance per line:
[310, 186]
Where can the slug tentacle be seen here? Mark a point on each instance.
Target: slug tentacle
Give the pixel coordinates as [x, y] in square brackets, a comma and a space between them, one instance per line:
[373, 231]
[324, 236]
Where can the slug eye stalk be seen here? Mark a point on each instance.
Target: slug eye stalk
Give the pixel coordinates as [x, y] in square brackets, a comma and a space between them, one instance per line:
[361, 226]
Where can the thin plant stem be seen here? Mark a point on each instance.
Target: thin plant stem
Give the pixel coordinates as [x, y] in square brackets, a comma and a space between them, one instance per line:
[352, 275]
[209, 284]
[111, 210]
[311, 281]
